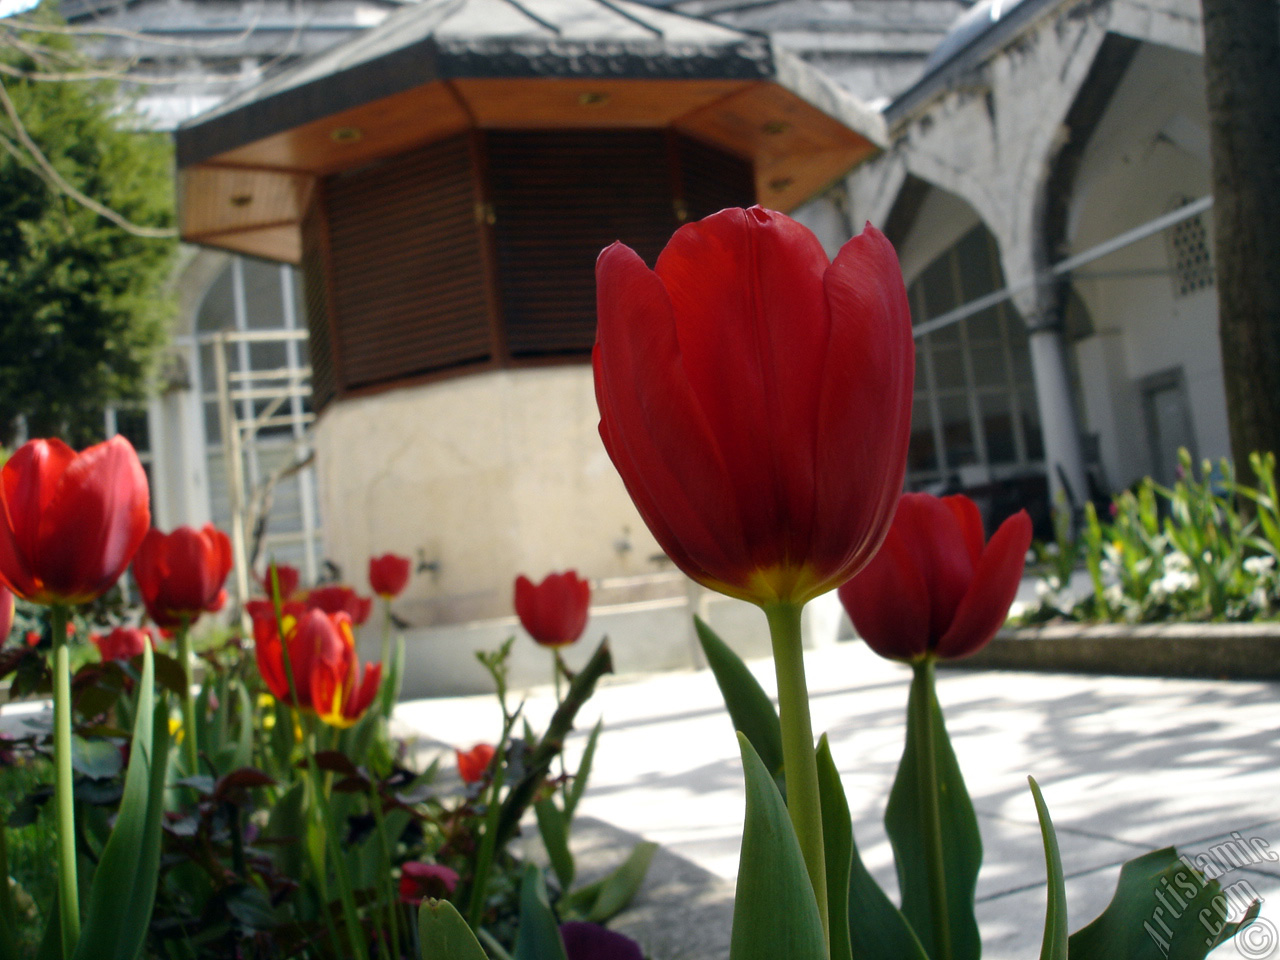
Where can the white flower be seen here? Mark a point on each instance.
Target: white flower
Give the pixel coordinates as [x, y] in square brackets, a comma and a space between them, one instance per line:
[1259, 566]
[1177, 560]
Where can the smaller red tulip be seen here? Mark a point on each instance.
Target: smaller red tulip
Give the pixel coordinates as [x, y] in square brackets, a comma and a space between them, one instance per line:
[418, 881]
[122, 643]
[286, 576]
[326, 669]
[554, 611]
[473, 763]
[180, 574]
[388, 575]
[70, 522]
[935, 588]
[339, 693]
[336, 598]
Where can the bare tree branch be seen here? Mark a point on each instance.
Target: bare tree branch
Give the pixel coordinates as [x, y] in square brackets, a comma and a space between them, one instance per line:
[64, 185]
[76, 30]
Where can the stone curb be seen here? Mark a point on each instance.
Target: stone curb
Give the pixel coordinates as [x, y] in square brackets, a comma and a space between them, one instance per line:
[1216, 651]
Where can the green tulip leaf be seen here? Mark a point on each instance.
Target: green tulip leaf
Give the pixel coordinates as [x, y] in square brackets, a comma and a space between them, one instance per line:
[929, 769]
[872, 925]
[444, 935]
[539, 935]
[95, 759]
[750, 708]
[621, 886]
[555, 837]
[775, 913]
[244, 742]
[579, 784]
[837, 840]
[1164, 908]
[123, 891]
[1054, 945]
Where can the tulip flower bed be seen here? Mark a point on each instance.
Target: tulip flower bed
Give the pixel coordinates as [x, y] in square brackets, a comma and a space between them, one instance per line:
[1187, 553]
[266, 812]
[755, 399]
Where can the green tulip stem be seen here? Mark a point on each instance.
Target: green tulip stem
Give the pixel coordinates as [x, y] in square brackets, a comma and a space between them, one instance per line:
[64, 784]
[922, 704]
[387, 696]
[799, 762]
[189, 742]
[389, 886]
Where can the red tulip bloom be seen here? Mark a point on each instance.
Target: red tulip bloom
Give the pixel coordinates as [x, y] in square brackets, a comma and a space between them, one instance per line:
[756, 399]
[326, 669]
[474, 762]
[935, 588]
[180, 574]
[555, 611]
[419, 881]
[286, 576]
[335, 598]
[388, 575]
[122, 643]
[70, 522]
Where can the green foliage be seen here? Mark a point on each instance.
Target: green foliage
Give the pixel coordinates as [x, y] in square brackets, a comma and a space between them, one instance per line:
[81, 298]
[1204, 549]
[774, 910]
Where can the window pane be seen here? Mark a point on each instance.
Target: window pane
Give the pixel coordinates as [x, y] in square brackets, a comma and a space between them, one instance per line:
[262, 295]
[989, 366]
[948, 368]
[1031, 424]
[997, 427]
[922, 453]
[216, 311]
[975, 257]
[957, 432]
[984, 325]
[938, 287]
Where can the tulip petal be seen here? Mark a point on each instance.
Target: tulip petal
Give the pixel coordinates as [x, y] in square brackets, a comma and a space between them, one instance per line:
[929, 529]
[651, 422]
[746, 293]
[95, 521]
[27, 484]
[995, 584]
[969, 519]
[888, 601]
[864, 417]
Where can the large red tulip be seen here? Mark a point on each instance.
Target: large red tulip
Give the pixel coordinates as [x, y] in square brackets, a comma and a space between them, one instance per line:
[326, 669]
[555, 610]
[756, 399]
[70, 522]
[935, 588]
[180, 574]
[388, 575]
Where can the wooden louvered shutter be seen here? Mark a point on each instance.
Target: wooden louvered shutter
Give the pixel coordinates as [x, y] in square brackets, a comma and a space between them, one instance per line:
[560, 197]
[324, 380]
[712, 179]
[405, 256]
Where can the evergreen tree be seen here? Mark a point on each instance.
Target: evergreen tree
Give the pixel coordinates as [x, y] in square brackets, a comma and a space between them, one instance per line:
[83, 311]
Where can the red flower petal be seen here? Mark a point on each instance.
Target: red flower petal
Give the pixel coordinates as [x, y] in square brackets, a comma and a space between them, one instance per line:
[995, 583]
